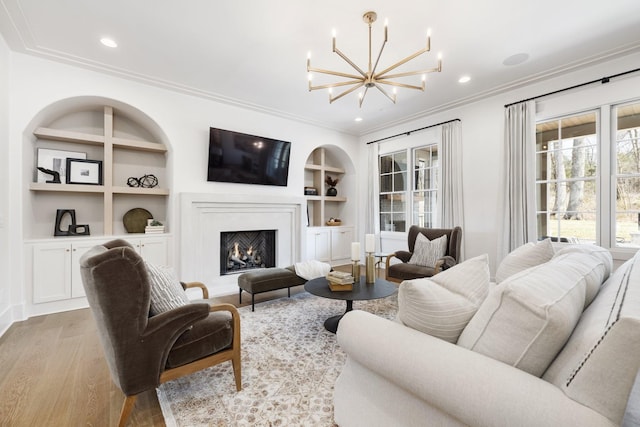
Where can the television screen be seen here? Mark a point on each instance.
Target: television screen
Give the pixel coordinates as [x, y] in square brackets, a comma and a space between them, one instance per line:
[247, 159]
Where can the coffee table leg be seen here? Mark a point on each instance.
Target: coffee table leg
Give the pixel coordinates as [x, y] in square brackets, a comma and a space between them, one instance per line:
[331, 324]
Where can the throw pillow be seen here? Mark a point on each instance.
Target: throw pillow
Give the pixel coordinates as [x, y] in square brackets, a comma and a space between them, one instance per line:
[526, 320]
[426, 252]
[442, 305]
[528, 255]
[166, 291]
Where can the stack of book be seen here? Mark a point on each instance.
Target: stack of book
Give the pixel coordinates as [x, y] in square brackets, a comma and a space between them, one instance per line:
[149, 229]
[340, 281]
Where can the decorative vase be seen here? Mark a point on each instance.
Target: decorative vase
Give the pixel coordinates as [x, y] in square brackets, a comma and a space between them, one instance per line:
[331, 191]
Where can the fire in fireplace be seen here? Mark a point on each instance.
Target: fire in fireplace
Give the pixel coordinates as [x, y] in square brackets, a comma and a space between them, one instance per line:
[247, 250]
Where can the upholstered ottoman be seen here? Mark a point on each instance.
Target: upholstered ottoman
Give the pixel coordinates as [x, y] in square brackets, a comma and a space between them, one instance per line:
[268, 279]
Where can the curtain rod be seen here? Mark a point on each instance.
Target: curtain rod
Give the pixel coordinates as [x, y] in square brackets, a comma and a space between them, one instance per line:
[411, 131]
[602, 80]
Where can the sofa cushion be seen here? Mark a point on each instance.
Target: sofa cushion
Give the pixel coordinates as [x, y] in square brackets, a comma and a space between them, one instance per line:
[598, 365]
[442, 305]
[426, 252]
[166, 291]
[526, 319]
[593, 268]
[526, 256]
[602, 254]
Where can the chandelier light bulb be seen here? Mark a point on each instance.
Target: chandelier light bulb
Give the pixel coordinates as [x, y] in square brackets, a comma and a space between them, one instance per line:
[424, 77]
[309, 76]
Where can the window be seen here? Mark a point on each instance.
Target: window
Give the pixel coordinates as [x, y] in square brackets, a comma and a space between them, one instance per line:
[395, 185]
[393, 191]
[627, 175]
[425, 186]
[588, 180]
[566, 171]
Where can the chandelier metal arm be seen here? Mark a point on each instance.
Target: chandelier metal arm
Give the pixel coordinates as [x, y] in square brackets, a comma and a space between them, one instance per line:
[332, 85]
[350, 62]
[381, 74]
[363, 95]
[333, 73]
[410, 73]
[381, 89]
[346, 92]
[403, 85]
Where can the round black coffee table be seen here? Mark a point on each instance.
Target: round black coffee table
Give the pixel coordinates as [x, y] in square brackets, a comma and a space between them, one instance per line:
[361, 291]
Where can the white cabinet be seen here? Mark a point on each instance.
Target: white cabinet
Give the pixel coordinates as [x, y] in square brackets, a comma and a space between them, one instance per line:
[341, 238]
[56, 265]
[329, 244]
[51, 272]
[318, 244]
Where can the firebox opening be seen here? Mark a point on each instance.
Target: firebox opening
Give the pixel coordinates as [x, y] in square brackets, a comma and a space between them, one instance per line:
[241, 251]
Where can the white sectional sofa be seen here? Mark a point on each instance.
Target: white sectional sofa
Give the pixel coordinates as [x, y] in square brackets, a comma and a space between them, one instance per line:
[516, 362]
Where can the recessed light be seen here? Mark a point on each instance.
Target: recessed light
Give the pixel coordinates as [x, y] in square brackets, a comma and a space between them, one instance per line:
[464, 79]
[358, 119]
[108, 42]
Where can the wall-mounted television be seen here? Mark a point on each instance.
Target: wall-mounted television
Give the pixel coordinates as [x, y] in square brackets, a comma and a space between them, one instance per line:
[247, 159]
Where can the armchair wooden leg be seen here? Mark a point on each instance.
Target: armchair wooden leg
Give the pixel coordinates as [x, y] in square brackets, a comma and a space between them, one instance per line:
[237, 371]
[127, 407]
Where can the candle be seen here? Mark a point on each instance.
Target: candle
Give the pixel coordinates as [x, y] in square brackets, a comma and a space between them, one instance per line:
[369, 243]
[355, 251]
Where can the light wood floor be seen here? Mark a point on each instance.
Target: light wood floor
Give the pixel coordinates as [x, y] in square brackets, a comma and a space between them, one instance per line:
[53, 373]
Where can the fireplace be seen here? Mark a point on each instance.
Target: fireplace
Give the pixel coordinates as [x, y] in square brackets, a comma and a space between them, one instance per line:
[241, 251]
[204, 216]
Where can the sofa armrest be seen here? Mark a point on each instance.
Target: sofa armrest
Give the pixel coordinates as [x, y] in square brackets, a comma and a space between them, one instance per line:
[472, 388]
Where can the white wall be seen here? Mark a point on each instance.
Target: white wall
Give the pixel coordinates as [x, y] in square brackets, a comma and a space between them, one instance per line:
[482, 138]
[35, 84]
[5, 288]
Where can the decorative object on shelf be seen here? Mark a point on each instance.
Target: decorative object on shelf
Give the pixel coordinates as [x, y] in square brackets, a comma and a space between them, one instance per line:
[310, 191]
[55, 175]
[145, 181]
[135, 220]
[84, 171]
[334, 222]
[154, 226]
[331, 191]
[55, 160]
[370, 78]
[73, 229]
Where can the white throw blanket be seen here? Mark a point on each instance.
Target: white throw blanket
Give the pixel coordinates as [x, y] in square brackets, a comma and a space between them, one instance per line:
[311, 269]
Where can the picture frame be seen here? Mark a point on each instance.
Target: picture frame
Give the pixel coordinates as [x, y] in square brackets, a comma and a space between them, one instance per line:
[56, 160]
[84, 172]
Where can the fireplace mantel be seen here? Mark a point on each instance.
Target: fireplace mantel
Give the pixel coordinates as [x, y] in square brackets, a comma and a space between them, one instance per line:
[203, 216]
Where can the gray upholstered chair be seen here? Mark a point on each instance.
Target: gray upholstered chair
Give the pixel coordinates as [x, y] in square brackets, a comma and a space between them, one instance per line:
[398, 272]
[143, 351]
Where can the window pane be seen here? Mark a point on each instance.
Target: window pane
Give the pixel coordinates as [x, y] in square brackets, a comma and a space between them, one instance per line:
[385, 183]
[628, 229]
[386, 164]
[399, 181]
[385, 203]
[400, 162]
[422, 158]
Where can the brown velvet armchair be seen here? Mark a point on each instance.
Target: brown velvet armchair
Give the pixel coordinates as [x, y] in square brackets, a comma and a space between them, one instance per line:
[398, 272]
[143, 351]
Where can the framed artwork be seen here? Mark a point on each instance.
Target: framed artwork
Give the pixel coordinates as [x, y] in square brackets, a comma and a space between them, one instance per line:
[56, 160]
[84, 171]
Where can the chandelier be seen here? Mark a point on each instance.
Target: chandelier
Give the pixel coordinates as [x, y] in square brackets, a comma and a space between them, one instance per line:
[371, 78]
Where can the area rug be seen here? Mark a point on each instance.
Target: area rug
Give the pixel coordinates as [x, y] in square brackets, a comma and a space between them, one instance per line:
[289, 365]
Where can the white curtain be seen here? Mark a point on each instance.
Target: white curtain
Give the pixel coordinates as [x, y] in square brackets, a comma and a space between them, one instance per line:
[372, 224]
[519, 200]
[452, 206]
